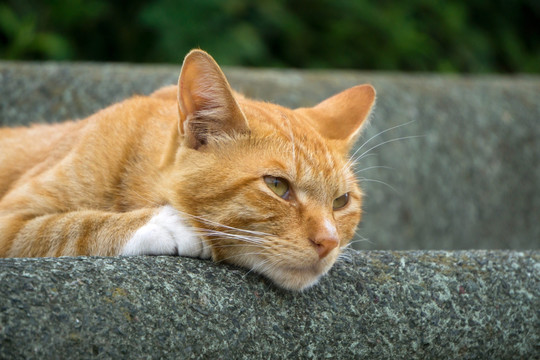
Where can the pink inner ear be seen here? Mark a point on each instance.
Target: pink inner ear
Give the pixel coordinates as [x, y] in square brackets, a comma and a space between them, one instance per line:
[201, 84]
[341, 116]
[206, 105]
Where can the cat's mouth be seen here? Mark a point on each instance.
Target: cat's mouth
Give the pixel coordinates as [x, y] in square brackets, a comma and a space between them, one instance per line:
[296, 273]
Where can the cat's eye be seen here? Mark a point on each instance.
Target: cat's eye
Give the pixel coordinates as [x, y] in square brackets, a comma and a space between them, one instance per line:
[278, 185]
[341, 201]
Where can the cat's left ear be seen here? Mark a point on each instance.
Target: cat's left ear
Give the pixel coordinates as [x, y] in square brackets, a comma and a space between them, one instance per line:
[342, 116]
[205, 101]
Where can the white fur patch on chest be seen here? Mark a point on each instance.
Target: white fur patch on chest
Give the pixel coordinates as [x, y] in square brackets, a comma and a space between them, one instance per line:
[166, 234]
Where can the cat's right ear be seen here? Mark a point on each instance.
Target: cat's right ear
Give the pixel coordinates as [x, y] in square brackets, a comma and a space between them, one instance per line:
[205, 101]
[342, 116]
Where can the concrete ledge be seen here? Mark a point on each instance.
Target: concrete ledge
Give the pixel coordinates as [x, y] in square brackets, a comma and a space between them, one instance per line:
[470, 182]
[377, 305]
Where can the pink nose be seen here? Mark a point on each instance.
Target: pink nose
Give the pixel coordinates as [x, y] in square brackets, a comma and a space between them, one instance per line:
[324, 245]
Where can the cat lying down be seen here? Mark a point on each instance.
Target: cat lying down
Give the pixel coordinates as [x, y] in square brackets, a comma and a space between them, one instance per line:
[193, 170]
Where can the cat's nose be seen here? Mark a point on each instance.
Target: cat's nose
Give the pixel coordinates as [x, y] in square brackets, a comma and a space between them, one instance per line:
[323, 245]
[324, 237]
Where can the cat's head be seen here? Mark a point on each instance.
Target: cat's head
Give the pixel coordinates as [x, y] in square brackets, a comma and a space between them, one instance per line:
[268, 188]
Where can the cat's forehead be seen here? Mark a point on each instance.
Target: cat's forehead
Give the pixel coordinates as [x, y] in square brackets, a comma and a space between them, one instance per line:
[266, 117]
[305, 154]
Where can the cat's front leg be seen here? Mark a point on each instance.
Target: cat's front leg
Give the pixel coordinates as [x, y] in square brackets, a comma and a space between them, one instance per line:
[166, 233]
[91, 232]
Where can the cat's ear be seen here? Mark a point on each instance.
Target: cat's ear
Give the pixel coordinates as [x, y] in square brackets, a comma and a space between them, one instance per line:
[342, 116]
[205, 101]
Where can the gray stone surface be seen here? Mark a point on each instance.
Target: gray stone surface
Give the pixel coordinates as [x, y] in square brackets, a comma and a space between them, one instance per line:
[470, 181]
[375, 305]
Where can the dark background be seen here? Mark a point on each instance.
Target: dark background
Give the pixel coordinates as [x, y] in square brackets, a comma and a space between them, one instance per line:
[465, 36]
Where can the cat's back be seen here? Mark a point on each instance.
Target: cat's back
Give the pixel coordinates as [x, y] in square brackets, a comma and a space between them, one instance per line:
[28, 152]
[36, 147]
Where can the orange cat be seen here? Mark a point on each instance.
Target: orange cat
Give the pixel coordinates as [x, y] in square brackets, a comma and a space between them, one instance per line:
[195, 170]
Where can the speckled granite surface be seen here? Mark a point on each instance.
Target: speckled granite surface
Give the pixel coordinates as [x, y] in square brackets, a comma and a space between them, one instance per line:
[470, 181]
[377, 305]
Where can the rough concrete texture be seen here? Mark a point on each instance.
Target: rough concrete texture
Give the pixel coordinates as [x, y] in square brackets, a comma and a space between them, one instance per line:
[469, 181]
[375, 305]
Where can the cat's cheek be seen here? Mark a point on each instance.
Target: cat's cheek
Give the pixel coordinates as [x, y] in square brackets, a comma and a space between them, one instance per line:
[166, 234]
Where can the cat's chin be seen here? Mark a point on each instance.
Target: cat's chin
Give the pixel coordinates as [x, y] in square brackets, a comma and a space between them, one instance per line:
[296, 278]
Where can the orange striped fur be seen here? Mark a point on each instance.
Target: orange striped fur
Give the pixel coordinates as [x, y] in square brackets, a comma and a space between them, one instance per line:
[86, 187]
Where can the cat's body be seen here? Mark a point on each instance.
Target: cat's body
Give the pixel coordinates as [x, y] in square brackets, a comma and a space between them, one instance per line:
[194, 170]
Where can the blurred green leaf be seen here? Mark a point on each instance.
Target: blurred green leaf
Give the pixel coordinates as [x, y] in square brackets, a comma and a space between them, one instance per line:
[410, 35]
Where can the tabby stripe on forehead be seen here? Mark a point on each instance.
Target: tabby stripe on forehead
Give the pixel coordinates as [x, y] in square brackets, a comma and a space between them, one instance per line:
[310, 155]
[300, 148]
[312, 162]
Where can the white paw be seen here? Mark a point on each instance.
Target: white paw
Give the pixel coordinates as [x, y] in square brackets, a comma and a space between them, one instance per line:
[166, 234]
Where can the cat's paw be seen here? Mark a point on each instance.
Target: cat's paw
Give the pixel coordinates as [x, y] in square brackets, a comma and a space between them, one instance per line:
[166, 234]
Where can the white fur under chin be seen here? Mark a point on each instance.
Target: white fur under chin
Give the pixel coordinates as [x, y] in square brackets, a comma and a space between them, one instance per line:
[291, 278]
[166, 234]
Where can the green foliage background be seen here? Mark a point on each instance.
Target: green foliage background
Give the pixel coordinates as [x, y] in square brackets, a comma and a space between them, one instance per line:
[473, 36]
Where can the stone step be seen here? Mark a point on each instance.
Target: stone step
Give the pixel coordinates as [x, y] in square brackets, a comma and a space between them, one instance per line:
[469, 181]
[372, 305]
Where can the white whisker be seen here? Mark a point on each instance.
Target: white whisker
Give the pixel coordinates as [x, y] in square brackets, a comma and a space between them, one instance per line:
[374, 167]
[373, 137]
[224, 246]
[355, 162]
[214, 233]
[379, 182]
[259, 266]
[214, 223]
[351, 243]
[389, 141]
